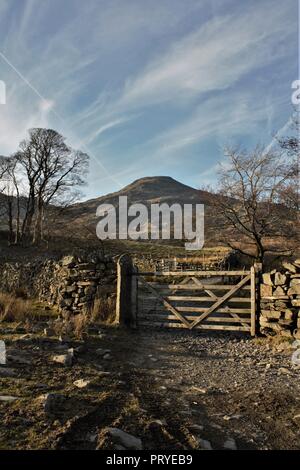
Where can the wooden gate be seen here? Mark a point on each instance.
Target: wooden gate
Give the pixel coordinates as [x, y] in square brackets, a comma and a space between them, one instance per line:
[208, 300]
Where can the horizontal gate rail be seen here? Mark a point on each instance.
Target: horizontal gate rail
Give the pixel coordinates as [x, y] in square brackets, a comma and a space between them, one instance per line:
[157, 317]
[192, 273]
[179, 298]
[201, 300]
[167, 287]
[188, 309]
[200, 327]
[204, 299]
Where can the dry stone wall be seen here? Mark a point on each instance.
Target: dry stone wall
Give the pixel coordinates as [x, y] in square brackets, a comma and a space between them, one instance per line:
[280, 301]
[72, 283]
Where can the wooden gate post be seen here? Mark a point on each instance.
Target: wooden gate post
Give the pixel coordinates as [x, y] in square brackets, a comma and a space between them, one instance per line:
[255, 280]
[126, 304]
[258, 279]
[253, 301]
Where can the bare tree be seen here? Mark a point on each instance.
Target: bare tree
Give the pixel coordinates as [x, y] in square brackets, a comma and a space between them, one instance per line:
[291, 143]
[290, 146]
[251, 205]
[5, 193]
[53, 171]
[11, 194]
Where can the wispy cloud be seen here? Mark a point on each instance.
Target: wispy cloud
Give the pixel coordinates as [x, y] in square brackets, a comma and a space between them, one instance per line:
[214, 57]
[104, 128]
[222, 119]
[150, 82]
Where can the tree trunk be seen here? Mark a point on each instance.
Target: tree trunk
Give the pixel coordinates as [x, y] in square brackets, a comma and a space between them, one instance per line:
[17, 233]
[27, 223]
[260, 253]
[38, 227]
[10, 220]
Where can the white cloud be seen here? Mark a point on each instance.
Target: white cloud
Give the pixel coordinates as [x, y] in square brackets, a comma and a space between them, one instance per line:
[15, 122]
[223, 118]
[212, 58]
[104, 128]
[74, 63]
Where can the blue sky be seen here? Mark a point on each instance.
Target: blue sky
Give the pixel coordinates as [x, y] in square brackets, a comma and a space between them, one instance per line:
[148, 87]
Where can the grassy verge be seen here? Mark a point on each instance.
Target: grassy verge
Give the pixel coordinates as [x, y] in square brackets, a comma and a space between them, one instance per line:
[15, 308]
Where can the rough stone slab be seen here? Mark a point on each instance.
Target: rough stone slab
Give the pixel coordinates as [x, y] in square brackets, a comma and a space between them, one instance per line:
[290, 267]
[272, 315]
[52, 401]
[286, 333]
[86, 266]
[271, 297]
[70, 289]
[81, 383]
[278, 292]
[266, 290]
[280, 279]
[204, 444]
[64, 359]
[68, 261]
[18, 358]
[267, 279]
[296, 334]
[8, 398]
[230, 444]
[7, 372]
[294, 290]
[125, 439]
[289, 314]
[86, 283]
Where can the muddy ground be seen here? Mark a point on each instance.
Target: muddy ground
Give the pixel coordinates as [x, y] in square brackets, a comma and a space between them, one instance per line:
[172, 389]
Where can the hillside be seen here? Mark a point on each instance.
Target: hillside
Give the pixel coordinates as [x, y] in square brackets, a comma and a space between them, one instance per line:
[149, 190]
[155, 189]
[75, 226]
[79, 221]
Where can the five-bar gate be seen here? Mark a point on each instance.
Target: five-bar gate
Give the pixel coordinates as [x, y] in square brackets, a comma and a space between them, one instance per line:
[207, 300]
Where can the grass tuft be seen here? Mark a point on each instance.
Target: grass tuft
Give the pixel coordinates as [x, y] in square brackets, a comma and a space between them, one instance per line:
[104, 309]
[13, 308]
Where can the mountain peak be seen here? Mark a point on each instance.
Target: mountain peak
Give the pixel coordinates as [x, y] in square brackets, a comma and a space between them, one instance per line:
[158, 186]
[146, 190]
[155, 179]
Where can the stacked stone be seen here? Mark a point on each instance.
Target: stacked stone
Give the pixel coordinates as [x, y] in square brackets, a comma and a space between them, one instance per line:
[80, 282]
[72, 284]
[33, 278]
[280, 301]
[145, 263]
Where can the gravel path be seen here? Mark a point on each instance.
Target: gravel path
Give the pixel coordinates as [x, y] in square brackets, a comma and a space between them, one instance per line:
[232, 386]
[171, 389]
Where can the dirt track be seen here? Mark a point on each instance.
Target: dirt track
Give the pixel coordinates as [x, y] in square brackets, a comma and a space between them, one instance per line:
[174, 390]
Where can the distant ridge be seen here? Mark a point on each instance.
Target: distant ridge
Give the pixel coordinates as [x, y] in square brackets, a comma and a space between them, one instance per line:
[81, 217]
[148, 190]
